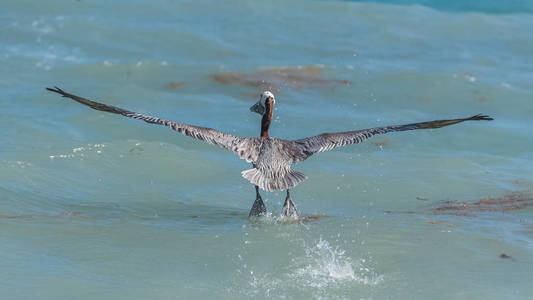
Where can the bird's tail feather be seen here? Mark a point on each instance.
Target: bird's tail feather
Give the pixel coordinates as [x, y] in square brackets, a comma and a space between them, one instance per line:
[268, 182]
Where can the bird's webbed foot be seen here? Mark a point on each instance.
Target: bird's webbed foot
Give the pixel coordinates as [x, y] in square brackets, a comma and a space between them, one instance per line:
[289, 208]
[259, 208]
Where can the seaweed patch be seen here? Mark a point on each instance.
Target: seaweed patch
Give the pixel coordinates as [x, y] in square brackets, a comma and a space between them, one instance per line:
[174, 85]
[521, 183]
[434, 222]
[381, 142]
[276, 78]
[509, 202]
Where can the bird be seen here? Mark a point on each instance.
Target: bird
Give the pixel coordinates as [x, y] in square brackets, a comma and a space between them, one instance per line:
[271, 157]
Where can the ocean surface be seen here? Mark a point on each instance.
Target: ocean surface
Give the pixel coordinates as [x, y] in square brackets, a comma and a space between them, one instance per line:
[97, 206]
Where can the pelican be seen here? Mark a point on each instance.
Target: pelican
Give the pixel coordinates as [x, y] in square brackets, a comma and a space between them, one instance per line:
[271, 158]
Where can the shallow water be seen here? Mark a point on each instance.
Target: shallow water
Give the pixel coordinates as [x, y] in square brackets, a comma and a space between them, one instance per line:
[93, 205]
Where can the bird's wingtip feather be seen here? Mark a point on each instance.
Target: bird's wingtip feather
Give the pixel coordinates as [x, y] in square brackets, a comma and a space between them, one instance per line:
[481, 117]
[57, 90]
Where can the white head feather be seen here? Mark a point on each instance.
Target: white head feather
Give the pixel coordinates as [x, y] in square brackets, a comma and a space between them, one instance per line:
[260, 106]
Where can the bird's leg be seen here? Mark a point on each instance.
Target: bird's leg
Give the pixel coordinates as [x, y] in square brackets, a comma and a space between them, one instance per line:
[289, 209]
[259, 207]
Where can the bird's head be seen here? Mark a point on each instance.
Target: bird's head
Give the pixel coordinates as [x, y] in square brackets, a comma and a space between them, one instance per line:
[267, 100]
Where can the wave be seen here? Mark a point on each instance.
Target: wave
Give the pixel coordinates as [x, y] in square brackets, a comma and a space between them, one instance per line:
[484, 6]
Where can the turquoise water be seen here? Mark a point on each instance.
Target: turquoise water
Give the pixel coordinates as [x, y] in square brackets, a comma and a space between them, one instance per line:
[97, 206]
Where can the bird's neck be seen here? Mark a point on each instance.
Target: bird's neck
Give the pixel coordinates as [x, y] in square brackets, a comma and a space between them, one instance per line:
[266, 120]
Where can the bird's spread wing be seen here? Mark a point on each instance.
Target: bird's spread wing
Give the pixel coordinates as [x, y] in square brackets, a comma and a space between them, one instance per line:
[303, 148]
[244, 147]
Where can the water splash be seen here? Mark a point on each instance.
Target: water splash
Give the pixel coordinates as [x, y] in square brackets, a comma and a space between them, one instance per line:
[329, 265]
[313, 268]
[80, 151]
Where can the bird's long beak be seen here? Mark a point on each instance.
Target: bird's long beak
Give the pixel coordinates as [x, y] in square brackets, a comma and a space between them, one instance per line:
[258, 108]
